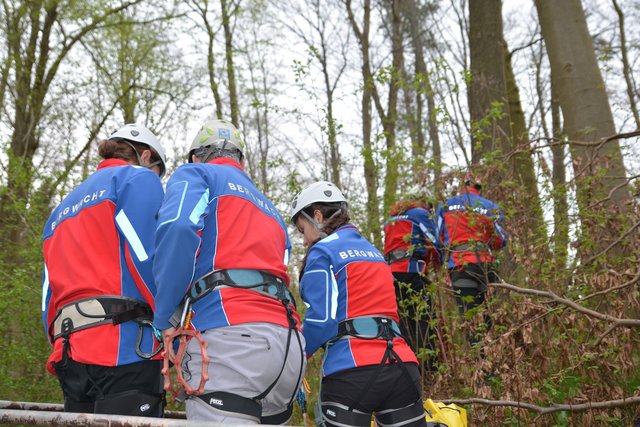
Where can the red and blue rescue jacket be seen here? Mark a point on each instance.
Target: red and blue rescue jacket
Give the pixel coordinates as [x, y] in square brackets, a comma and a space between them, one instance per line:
[346, 277]
[413, 231]
[471, 227]
[100, 241]
[214, 218]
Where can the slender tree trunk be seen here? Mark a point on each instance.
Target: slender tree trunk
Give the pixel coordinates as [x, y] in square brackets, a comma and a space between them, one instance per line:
[559, 181]
[202, 9]
[434, 137]
[412, 118]
[601, 185]
[231, 76]
[626, 68]
[4, 76]
[424, 89]
[373, 227]
[389, 120]
[334, 152]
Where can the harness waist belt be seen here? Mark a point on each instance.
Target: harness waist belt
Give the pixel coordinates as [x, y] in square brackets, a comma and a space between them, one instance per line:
[470, 246]
[369, 328]
[255, 280]
[95, 311]
[400, 254]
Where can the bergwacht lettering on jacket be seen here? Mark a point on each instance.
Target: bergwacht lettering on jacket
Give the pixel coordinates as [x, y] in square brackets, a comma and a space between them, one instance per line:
[355, 253]
[258, 202]
[91, 197]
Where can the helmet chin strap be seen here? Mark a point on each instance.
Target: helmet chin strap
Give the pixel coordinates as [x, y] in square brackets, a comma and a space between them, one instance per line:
[319, 226]
[148, 166]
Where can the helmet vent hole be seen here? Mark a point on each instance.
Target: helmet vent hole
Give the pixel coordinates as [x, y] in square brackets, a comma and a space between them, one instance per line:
[328, 193]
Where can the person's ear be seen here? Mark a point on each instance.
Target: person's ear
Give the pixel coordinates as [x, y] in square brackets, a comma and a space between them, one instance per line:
[317, 215]
[194, 159]
[145, 157]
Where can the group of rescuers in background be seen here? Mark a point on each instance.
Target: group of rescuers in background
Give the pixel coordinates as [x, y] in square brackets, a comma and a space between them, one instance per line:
[123, 260]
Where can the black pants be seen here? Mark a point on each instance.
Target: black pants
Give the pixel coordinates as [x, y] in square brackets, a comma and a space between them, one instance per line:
[391, 389]
[472, 297]
[134, 389]
[416, 315]
[468, 299]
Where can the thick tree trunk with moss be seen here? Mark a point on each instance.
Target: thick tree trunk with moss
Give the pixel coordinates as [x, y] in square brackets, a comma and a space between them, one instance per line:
[488, 103]
[600, 177]
[522, 165]
[490, 124]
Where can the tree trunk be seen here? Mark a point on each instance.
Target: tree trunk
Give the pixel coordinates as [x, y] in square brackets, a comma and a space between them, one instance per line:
[522, 165]
[424, 89]
[414, 124]
[626, 68]
[29, 28]
[559, 181]
[389, 120]
[329, 88]
[488, 103]
[202, 9]
[601, 185]
[231, 76]
[373, 228]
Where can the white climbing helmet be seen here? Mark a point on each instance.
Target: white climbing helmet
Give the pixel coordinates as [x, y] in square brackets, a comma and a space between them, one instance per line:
[218, 133]
[137, 133]
[318, 192]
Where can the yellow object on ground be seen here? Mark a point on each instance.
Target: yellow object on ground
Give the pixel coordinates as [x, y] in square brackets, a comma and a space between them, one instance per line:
[450, 415]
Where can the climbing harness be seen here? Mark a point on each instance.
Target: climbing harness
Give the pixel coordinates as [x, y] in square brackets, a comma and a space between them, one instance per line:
[470, 246]
[399, 254]
[102, 310]
[368, 328]
[255, 280]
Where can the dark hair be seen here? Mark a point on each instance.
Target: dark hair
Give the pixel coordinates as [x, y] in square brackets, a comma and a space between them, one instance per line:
[330, 224]
[208, 153]
[117, 149]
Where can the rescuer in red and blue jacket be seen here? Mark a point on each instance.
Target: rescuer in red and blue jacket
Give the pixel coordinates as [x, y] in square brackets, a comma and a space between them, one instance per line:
[411, 248]
[98, 288]
[471, 229]
[352, 313]
[222, 249]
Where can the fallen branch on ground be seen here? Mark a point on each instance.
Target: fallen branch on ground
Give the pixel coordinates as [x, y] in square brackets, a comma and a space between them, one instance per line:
[555, 407]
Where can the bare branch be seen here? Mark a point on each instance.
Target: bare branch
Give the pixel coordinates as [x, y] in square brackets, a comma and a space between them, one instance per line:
[555, 407]
[555, 298]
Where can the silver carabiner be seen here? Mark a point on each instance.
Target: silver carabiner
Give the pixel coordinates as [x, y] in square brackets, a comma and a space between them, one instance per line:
[139, 352]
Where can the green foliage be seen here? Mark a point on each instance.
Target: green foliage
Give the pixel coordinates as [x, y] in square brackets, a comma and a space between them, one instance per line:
[23, 376]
